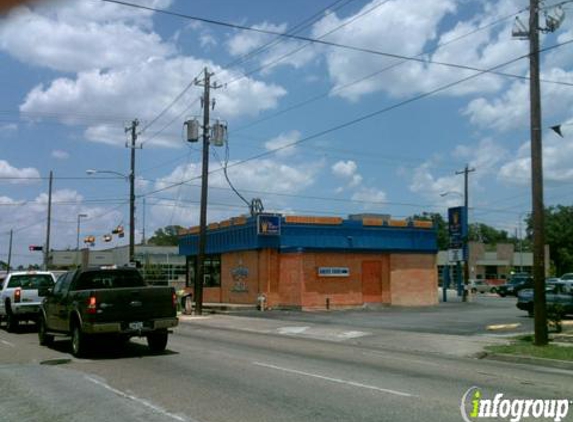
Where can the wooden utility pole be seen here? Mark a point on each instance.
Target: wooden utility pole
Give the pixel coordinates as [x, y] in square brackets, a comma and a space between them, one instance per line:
[133, 131]
[47, 245]
[539, 303]
[9, 253]
[466, 171]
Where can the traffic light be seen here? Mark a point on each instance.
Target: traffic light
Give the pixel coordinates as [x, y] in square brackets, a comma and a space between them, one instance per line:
[35, 248]
[118, 231]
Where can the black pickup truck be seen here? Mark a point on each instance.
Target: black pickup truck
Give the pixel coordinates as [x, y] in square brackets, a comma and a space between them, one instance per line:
[85, 304]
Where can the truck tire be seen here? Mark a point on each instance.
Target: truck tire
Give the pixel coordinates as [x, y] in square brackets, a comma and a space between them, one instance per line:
[157, 341]
[44, 338]
[11, 319]
[79, 341]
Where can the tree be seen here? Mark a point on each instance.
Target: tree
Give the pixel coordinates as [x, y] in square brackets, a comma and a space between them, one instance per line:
[558, 235]
[167, 236]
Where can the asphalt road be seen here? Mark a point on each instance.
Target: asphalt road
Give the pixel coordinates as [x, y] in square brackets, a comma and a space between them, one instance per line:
[224, 368]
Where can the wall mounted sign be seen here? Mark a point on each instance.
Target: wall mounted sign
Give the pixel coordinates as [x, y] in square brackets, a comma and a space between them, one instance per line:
[269, 224]
[333, 272]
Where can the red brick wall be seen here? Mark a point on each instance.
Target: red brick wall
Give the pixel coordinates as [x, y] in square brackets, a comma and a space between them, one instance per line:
[292, 280]
[341, 291]
[413, 280]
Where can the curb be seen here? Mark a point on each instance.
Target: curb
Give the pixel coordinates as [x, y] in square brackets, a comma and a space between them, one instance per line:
[530, 360]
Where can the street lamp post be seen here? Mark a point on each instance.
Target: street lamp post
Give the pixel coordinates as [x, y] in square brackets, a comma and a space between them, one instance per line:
[131, 179]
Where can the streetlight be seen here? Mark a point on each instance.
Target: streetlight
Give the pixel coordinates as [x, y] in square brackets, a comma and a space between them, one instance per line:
[131, 178]
[451, 192]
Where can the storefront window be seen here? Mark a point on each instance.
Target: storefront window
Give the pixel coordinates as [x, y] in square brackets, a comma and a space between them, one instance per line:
[212, 273]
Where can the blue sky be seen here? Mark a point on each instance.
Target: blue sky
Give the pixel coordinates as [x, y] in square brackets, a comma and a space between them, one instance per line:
[74, 73]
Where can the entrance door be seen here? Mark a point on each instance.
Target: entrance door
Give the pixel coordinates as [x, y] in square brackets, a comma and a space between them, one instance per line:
[375, 282]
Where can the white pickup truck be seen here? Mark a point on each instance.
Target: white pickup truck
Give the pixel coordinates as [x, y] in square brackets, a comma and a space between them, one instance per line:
[19, 300]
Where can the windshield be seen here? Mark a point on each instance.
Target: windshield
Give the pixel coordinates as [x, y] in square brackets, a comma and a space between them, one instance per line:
[109, 280]
[31, 281]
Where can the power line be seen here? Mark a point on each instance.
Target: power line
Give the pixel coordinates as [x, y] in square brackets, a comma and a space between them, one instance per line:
[372, 114]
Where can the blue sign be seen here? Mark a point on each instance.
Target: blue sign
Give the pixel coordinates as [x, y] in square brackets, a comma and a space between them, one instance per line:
[269, 224]
[457, 227]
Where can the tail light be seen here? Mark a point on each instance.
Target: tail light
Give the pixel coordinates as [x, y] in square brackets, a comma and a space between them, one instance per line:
[174, 300]
[17, 295]
[92, 305]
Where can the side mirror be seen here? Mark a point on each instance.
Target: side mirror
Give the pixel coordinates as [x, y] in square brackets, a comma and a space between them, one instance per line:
[45, 291]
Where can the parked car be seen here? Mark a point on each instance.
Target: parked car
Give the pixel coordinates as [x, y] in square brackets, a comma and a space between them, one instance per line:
[560, 293]
[86, 304]
[480, 286]
[19, 299]
[514, 285]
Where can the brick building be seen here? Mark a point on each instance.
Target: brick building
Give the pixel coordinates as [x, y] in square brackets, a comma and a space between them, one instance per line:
[305, 262]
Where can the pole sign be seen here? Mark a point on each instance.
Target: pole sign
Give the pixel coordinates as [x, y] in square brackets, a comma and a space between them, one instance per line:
[457, 227]
[269, 224]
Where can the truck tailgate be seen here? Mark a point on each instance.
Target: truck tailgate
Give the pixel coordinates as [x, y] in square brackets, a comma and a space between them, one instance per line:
[134, 304]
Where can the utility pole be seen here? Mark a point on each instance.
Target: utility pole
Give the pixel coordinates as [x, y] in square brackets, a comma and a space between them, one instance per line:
[539, 303]
[133, 131]
[199, 276]
[143, 228]
[466, 171]
[47, 246]
[9, 253]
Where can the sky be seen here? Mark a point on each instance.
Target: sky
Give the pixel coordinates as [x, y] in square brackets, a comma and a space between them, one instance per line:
[376, 118]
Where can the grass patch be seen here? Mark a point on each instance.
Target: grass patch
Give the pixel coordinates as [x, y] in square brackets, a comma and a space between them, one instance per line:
[524, 347]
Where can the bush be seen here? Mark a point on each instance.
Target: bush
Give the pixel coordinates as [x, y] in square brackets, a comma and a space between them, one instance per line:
[555, 314]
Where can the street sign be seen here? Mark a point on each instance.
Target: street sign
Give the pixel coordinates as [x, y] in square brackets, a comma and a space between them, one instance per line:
[457, 227]
[269, 224]
[455, 255]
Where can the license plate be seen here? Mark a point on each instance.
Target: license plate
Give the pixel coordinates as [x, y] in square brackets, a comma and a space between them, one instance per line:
[136, 325]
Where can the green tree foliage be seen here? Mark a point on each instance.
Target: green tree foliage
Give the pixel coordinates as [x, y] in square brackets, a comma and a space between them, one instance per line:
[167, 236]
[558, 235]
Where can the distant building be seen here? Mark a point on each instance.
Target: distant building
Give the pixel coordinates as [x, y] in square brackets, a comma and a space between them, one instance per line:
[497, 264]
[315, 262]
[159, 264]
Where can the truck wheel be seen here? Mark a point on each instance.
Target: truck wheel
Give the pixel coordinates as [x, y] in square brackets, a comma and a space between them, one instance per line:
[11, 319]
[157, 342]
[44, 338]
[79, 341]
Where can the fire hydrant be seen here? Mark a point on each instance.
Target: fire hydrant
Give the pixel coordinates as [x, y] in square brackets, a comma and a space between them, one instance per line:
[261, 302]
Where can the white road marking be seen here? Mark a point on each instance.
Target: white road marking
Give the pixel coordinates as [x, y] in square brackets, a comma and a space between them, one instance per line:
[7, 343]
[352, 334]
[337, 380]
[141, 401]
[292, 330]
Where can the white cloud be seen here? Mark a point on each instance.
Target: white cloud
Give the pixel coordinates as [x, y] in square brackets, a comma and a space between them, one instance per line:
[557, 157]
[511, 110]
[92, 92]
[271, 52]
[373, 196]
[16, 175]
[347, 170]
[8, 129]
[258, 178]
[486, 157]
[281, 143]
[79, 36]
[60, 155]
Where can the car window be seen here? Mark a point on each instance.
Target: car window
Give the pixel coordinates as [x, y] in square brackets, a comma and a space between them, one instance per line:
[108, 280]
[63, 283]
[31, 281]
